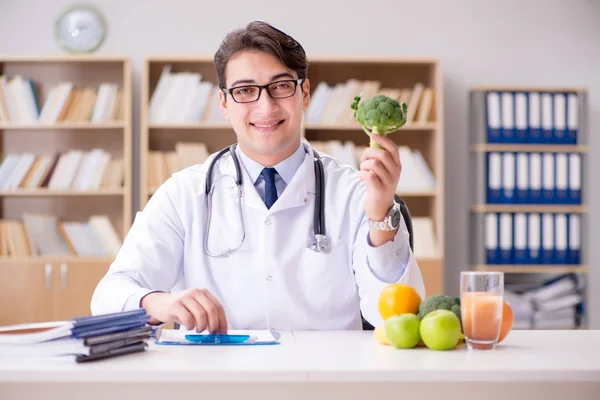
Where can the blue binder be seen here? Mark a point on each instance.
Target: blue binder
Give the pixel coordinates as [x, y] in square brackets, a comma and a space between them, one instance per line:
[494, 178]
[491, 236]
[534, 113]
[547, 133]
[575, 178]
[572, 110]
[521, 117]
[574, 239]
[493, 117]
[560, 118]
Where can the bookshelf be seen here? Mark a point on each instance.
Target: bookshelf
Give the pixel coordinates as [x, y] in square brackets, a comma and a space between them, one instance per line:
[528, 213]
[177, 131]
[65, 180]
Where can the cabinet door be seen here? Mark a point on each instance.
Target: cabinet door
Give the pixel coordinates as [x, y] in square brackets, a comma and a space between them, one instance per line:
[433, 276]
[26, 292]
[76, 282]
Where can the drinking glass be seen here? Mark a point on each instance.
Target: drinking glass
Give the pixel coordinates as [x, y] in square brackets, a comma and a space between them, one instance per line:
[481, 300]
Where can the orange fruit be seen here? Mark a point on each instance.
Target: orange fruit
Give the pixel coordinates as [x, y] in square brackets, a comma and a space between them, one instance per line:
[508, 319]
[398, 298]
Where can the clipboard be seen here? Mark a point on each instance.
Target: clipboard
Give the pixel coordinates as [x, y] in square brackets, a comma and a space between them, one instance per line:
[182, 337]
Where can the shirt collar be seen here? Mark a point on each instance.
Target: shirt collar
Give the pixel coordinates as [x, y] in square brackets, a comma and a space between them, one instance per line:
[286, 168]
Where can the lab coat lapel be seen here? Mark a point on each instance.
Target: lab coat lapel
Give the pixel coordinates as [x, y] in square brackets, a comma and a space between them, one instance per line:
[250, 197]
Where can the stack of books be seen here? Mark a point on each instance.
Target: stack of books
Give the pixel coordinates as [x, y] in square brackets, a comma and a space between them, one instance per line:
[83, 339]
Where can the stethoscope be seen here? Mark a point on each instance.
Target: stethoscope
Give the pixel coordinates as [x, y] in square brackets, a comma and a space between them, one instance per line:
[321, 243]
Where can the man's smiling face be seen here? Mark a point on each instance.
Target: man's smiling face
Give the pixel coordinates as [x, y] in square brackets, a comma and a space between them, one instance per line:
[268, 130]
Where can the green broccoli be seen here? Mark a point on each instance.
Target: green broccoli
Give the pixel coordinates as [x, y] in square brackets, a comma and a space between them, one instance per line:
[379, 115]
[438, 302]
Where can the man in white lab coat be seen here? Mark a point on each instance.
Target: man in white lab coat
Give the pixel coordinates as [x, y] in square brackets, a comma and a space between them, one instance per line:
[171, 261]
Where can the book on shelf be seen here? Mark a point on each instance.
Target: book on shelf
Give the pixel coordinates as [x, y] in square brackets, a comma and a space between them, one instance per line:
[40, 235]
[530, 116]
[76, 170]
[79, 339]
[184, 97]
[547, 302]
[181, 97]
[416, 175]
[163, 164]
[330, 103]
[21, 103]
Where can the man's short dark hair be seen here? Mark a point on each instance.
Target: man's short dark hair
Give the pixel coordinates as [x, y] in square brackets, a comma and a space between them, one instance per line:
[260, 36]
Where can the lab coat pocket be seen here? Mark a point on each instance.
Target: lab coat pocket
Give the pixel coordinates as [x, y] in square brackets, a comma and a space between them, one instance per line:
[327, 278]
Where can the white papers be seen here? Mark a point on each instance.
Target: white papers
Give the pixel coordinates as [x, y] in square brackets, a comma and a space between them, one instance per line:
[37, 332]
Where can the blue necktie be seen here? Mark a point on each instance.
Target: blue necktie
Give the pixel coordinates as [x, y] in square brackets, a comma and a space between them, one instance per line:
[268, 175]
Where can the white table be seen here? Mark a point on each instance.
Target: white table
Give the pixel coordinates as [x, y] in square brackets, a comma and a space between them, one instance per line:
[324, 365]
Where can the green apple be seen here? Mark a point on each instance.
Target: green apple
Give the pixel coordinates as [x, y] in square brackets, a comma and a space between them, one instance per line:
[440, 330]
[402, 330]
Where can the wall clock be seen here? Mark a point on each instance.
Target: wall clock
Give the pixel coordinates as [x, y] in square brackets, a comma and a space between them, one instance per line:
[80, 29]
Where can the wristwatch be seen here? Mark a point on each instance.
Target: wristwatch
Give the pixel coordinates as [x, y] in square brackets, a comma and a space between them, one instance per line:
[391, 220]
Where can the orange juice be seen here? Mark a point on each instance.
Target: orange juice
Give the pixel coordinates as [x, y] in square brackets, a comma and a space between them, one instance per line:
[481, 318]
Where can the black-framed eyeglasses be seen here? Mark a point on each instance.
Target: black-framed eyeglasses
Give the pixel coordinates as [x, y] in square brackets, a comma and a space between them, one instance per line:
[251, 93]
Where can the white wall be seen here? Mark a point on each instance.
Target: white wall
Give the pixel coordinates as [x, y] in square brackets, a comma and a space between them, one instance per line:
[516, 42]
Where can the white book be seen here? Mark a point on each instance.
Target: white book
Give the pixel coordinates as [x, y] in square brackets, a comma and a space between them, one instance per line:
[106, 234]
[25, 162]
[64, 90]
[8, 165]
[159, 94]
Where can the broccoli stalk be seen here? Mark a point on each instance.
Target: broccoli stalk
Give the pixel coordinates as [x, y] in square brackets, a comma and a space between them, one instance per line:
[379, 115]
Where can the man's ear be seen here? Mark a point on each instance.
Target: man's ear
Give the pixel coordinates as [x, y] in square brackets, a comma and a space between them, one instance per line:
[305, 93]
[223, 104]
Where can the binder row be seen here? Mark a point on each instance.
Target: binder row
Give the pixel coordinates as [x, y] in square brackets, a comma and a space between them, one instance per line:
[532, 117]
[533, 238]
[534, 178]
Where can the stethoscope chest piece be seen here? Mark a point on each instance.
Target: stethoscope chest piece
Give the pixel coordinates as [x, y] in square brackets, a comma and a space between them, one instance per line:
[321, 245]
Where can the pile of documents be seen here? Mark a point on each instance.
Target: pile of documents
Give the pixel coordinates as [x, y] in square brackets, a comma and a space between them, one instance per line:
[551, 303]
[84, 339]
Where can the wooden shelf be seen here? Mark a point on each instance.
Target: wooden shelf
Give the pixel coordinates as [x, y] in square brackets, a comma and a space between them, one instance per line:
[65, 126]
[431, 126]
[57, 193]
[530, 148]
[55, 259]
[535, 208]
[533, 269]
[530, 228]
[344, 127]
[61, 287]
[530, 89]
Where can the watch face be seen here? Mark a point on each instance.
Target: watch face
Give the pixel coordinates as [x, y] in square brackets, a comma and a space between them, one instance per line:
[396, 218]
[80, 29]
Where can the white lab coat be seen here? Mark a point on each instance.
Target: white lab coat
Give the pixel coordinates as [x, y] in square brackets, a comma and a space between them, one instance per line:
[273, 280]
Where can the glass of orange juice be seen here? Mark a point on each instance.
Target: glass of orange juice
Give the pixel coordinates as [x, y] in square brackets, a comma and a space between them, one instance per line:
[481, 300]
